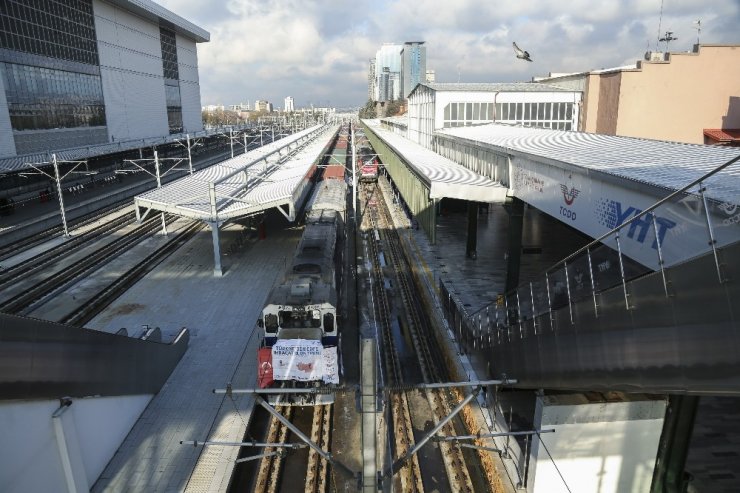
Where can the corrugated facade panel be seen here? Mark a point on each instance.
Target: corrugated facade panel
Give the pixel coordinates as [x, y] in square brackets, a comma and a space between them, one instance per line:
[131, 71]
[7, 144]
[192, 119]
[187, 64]
[187, 58]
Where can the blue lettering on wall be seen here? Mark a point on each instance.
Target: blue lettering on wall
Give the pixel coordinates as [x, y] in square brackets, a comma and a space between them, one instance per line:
[611, 213]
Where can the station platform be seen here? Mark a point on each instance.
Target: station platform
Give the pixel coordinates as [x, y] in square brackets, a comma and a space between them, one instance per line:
[220, 314]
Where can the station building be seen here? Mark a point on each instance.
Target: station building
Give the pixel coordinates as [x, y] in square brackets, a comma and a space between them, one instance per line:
[433, 106]
[691, 97]
[75, 73]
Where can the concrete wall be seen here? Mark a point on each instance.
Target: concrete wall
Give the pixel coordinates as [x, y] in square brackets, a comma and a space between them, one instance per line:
[94, 428]
[131, 72]
[187, 64]
[673, 100]
[598, 447]
[607, 112]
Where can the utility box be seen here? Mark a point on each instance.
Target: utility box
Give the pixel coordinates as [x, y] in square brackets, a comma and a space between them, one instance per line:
[603, 443]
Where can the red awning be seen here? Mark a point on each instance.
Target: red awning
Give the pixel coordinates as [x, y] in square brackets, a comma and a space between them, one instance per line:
[724, 136]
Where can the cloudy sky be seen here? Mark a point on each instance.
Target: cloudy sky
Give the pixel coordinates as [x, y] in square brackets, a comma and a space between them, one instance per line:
[318, 51]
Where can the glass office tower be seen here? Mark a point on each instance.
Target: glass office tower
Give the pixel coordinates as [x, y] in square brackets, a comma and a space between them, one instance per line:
[50, 72]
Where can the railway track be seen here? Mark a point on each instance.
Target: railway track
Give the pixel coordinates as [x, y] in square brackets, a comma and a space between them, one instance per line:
[440, 401]
[272, 475]
[47, 284]
[36, 239]
[403, 434]
[86, 311]
[47, 257]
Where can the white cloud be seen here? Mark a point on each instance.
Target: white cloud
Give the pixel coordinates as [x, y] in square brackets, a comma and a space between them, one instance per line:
[318, 51]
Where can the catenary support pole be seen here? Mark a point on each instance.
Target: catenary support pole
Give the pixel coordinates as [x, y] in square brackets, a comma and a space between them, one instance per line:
[59, 194]
[159, 185]
[190, 157]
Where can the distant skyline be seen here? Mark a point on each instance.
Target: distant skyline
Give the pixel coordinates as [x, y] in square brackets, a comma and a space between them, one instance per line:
[318, 51]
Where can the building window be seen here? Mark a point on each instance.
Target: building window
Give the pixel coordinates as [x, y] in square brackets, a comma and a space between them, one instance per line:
[41, 98]
[62, 29]
[463, 114]
[546, 115]
[171, 79]
[169, 53]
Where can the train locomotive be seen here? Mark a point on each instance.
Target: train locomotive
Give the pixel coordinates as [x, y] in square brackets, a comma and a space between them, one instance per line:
[298, 324]
[367, 160]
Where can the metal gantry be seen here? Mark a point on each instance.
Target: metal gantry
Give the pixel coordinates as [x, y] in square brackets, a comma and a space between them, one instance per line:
[58, 178]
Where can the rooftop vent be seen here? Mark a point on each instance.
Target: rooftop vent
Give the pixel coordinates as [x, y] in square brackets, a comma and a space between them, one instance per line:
[656, 56]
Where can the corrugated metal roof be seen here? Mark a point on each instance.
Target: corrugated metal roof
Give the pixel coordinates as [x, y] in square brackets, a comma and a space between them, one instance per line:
[669, 165]
[494, 87]
[445, 178]
[148, 8]
[189, 196]
[19, 163]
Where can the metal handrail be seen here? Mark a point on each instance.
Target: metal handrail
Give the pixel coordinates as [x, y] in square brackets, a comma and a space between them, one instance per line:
[598, 241]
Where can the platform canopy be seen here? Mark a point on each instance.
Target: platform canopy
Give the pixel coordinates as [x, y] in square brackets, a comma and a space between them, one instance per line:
[274, 175]
[444, 178]
[656, 163]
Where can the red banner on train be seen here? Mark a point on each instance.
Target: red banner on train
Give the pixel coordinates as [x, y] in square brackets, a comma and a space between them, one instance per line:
[264, 367]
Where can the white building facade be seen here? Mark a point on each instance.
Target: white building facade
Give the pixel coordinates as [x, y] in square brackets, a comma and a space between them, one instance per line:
[434, 106]
[289, 105]
[110, 72]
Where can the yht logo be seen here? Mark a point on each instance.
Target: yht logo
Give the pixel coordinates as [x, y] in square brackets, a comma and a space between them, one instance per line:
[612, 213]
[569, 195]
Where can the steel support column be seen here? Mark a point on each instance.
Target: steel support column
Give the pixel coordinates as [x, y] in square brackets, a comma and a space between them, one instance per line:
[217, 270]
[515, 208]
[472, 239]
[669, 474]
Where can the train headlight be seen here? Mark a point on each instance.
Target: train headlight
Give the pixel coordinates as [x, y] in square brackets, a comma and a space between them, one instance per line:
[316, 315]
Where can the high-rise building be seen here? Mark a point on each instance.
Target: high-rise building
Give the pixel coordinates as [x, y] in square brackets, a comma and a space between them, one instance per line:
[394, 86]
[288, 105]
[371, 81]
[260, 105]
[75, 73]
[431, 76]
[413, 66]
[387, 62]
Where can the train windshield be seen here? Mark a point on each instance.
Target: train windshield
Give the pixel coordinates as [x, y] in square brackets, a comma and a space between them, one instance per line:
[271, 322]
[299, 320]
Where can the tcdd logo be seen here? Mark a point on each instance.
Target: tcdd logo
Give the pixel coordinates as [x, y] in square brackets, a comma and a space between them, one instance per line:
[569, 196]
[611, 213]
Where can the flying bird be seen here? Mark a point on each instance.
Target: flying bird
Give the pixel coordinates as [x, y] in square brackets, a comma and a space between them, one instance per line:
[520, 53]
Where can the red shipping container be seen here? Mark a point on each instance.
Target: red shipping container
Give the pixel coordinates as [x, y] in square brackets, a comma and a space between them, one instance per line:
[334, 171]
[264, 367]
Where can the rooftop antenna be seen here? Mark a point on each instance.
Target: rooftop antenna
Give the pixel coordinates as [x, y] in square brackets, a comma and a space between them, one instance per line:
[660, 24]
[697, 26]
[668, 38]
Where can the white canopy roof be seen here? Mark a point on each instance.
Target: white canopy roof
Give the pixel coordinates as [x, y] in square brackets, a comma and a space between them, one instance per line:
[270, 176]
